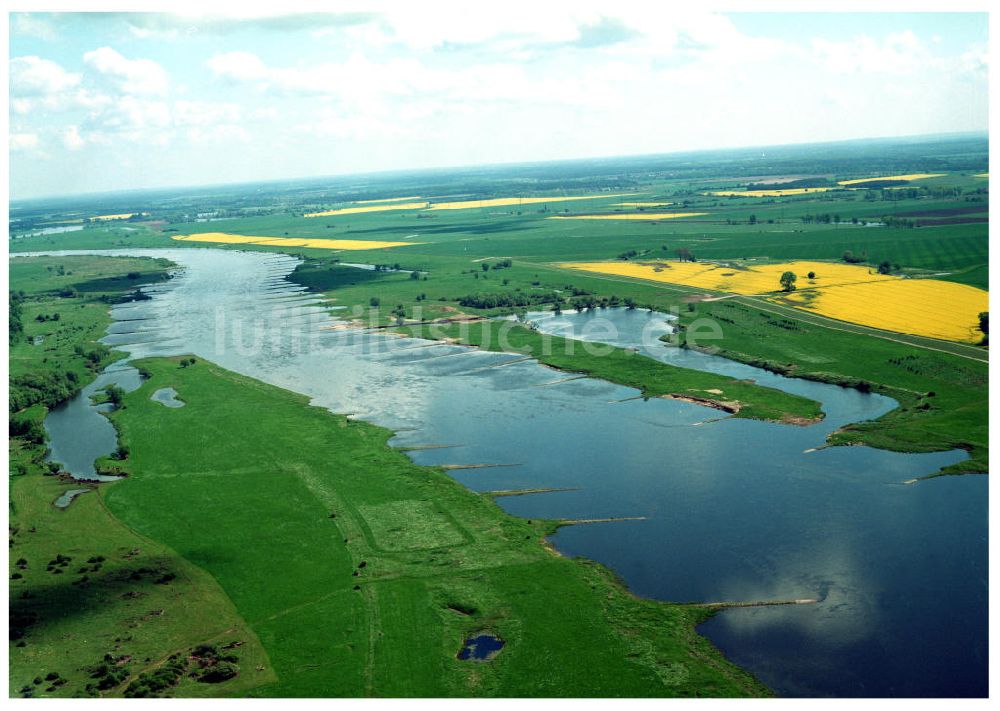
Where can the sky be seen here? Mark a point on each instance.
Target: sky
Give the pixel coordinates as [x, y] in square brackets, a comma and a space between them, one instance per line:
[109, 101]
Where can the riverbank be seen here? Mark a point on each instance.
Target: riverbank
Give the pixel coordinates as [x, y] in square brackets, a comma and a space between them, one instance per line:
[59, 313]
[362, 572]
[942, 397]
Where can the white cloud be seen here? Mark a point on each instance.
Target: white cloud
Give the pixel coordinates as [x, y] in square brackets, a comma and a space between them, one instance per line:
[33, 76]
[27, 25]
[238, 66]
[899, 53]
[130, 76]
[72, 139]
[203, 113]
[23, 141]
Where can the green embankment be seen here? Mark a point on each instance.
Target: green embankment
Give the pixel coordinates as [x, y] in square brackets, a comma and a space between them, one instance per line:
[361, 572]
[618, 365]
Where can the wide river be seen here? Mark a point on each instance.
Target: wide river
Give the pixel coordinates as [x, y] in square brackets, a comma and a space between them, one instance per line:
[734, 510]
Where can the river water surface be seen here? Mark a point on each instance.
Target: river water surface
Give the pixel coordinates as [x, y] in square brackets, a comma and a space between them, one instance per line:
[734, 510]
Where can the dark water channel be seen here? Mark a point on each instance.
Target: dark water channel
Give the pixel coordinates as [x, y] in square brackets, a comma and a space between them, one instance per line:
[734, 510]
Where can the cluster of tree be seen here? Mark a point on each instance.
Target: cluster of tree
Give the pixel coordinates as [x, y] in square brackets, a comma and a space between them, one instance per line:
[42, 318]
[48, 388]
[387, 268]
[508, 299]
[793, 184]
[984, 326]
[590, 302]
[684, 255]
[894, 195]
[886, 267]
[891, 221]
[26, 428]
[628, 254]
[151, 684]
[876, 184]
[15, 328]
[788, 280]
[852, 258]
[502, 264]
[116, 395]
[94, 356]
[825, 219]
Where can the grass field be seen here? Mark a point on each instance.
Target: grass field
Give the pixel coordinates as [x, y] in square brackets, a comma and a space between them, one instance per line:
[361, 572]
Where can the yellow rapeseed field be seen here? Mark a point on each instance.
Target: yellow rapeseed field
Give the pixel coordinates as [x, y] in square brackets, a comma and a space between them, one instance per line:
[924, 307]
[504, 202]
[753, 279]
[911, 176]
[346, 244]
[769, 193]
[630, 216]
[367, 208]
[123, 216]
[981, 175]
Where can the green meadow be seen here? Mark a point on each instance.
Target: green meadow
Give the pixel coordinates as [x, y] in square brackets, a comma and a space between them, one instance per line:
[361, 572]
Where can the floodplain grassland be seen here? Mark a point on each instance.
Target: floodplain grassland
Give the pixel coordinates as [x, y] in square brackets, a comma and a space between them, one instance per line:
[63, 304]
[95, 608]
[361, 572]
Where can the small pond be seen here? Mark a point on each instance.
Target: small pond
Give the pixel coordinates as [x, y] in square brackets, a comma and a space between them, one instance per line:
[168, 397]
[481, 647]
[67, 497]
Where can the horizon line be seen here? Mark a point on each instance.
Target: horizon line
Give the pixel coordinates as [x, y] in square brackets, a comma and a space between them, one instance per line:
[500, 164]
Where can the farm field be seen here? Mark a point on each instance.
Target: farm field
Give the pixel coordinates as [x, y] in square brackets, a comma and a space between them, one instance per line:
[345, 244]
[924, 307]
[907, 178]
[368, 208]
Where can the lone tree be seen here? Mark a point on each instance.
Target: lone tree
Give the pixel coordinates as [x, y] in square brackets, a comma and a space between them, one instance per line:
[788, 281]
[811, 275]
